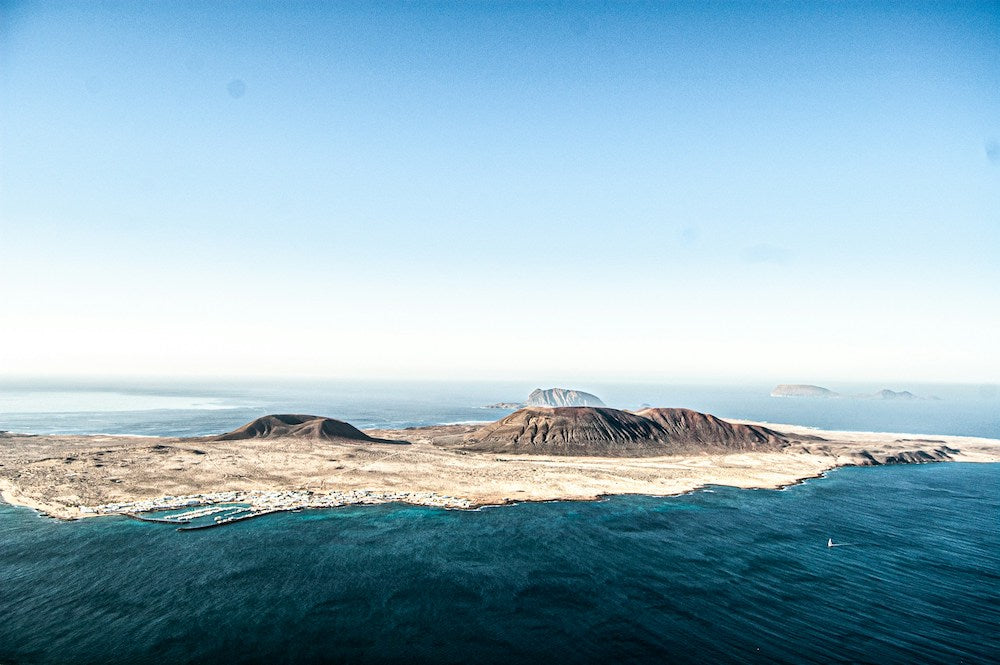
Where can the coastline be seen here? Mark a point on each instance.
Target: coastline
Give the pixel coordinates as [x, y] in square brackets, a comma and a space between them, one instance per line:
[74, 477]
[296, 500]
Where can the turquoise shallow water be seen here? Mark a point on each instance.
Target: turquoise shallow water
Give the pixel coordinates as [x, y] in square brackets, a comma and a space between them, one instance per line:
[720, 576]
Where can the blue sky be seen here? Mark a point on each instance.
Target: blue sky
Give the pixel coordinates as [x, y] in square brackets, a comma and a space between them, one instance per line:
[657, 191]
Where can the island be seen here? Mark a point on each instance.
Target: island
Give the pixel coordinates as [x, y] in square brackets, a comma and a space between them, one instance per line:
[562, 397]
[885, 393]
[290, 462]
[801, 390]
[806, 390]
[552, 397]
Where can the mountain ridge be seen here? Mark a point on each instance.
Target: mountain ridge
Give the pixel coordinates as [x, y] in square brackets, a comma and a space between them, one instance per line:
[603, 431]
[298, 426]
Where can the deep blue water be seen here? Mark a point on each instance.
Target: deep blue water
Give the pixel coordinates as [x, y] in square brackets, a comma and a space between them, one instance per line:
[722, 576]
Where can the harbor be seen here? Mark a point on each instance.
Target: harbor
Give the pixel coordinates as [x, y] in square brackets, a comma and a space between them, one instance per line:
[158, 520]
[239, 516]
[226, 508]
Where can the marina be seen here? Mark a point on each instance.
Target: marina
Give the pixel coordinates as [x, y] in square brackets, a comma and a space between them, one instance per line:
[160, 520]
[230, 507]
[237, 517]
[201, 512]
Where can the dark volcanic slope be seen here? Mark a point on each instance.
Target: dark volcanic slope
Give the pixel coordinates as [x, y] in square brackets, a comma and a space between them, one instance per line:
[610, 432]
[297, 426]
[685, 427]
[567, 430]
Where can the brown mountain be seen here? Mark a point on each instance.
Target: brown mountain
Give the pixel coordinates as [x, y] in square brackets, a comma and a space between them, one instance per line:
[300, 427]
[685, 427]
[567, 430]
[601, 431]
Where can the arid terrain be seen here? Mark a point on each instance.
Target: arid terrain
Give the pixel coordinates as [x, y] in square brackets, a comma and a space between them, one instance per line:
[77, 476]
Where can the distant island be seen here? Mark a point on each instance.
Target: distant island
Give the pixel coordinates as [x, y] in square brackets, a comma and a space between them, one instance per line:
[289, 462]
[806, 390]
[552, 397]
[562, 397]
[892, 394]
[801, 390]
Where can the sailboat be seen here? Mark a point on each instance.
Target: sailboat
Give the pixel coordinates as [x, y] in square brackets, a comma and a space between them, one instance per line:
[829, 542]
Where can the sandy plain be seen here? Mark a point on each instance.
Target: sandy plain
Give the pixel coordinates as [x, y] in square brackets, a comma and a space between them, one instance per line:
[70, 477]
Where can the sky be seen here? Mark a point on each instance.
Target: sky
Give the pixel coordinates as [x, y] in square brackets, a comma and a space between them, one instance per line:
[666, 192]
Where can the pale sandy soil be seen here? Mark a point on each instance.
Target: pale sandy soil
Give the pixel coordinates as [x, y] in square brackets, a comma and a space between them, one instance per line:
[59, 475]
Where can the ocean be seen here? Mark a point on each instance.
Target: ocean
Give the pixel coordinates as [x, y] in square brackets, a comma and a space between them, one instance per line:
[717, 575]
[209, 407]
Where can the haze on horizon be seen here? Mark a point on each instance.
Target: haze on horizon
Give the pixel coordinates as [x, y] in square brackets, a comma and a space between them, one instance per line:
[485, 190]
